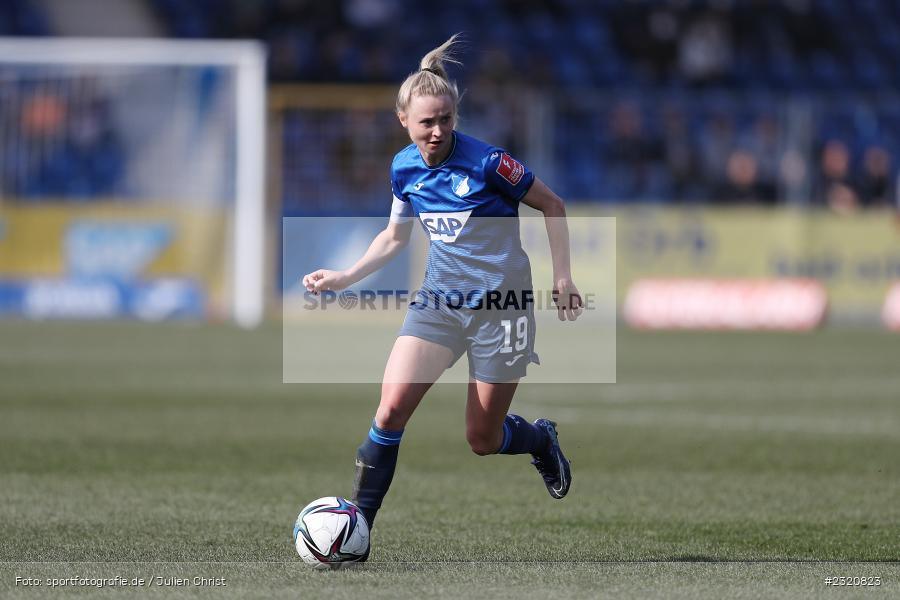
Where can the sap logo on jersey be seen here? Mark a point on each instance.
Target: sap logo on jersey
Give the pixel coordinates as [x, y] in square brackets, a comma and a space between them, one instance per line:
[445, 227]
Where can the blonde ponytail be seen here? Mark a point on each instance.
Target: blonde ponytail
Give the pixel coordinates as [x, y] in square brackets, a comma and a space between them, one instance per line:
[431, 79]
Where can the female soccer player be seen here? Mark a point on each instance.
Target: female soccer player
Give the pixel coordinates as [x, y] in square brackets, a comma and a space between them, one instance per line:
[456, 185]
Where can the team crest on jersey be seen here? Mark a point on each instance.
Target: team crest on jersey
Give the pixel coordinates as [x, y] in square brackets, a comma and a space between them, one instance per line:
[460, 184]
[510, 169]
[445, 226]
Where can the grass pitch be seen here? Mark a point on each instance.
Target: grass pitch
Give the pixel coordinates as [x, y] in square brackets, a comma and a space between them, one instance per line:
[720, 465]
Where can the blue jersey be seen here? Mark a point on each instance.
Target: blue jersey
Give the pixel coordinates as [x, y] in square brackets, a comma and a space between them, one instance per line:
[468, 205]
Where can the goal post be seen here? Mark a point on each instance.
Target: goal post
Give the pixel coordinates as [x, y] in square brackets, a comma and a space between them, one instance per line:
[189, 118]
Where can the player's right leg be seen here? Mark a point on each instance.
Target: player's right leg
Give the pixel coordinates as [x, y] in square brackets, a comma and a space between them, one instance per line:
[414, 365]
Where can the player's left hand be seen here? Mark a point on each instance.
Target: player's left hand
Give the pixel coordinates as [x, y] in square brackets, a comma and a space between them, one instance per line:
[567, 299]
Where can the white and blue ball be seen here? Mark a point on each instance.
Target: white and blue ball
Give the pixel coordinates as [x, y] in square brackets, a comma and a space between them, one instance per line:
[331, 532]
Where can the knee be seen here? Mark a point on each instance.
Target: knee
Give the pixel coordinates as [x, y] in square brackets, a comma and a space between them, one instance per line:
[392, 413]
[390, 418]
[482, 443]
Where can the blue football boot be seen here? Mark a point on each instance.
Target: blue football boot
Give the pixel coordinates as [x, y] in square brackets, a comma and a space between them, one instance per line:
[552, 464]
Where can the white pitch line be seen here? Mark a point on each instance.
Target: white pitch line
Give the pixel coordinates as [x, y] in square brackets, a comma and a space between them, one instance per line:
[727, 390]
[874, 426]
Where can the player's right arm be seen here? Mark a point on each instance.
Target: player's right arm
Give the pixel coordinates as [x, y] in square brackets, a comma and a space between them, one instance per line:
[386, 245]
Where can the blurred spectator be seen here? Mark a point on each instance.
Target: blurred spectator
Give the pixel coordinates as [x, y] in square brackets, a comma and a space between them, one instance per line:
[705, 52]
[742, 182]
[287, 46]
[65, 144]
[680, 156]
[43, 115]
[835, 187]
[649, 35]
[663, 28]
[762, 143]
[94, 145]
[793, 175]
[717, 139]
[875, 186]
[631, 152]
[494, 106]
[363, 153]
[371, 14]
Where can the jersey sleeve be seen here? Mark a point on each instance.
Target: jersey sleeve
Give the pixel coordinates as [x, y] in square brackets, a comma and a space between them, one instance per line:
[507, 175]
[401, 209]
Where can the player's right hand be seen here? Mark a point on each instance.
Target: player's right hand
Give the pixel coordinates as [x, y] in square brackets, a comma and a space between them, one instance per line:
[325, 280]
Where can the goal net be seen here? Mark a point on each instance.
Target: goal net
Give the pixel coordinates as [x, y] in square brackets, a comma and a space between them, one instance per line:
[131, 179]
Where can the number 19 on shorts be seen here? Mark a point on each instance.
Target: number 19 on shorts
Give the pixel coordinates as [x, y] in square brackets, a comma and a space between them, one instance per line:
[521, 334]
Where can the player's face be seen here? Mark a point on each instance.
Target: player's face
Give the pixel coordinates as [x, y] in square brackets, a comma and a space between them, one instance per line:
[429, 121]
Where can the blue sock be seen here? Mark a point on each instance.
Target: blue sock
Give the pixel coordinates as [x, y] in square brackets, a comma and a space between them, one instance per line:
[522, 437]
[376, 460]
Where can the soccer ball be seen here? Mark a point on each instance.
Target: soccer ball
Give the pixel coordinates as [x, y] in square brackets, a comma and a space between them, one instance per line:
[330, 533]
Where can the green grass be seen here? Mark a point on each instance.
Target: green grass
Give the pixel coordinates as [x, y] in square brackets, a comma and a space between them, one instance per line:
[720, 465]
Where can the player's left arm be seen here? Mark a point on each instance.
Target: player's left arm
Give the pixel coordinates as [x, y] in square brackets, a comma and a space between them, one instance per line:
[568, 299]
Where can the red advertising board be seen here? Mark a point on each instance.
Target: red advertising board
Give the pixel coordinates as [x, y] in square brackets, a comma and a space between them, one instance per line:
[781, 304]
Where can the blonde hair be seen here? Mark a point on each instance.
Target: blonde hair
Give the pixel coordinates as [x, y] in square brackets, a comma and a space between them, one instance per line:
[431, 79]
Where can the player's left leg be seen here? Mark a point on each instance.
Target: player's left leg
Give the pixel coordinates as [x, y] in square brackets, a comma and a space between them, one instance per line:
[486, 409]
[500, 348]
[490, 430]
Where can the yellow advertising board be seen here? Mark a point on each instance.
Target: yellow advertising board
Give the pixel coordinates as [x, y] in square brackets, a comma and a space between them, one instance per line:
[120, 243]
[856, 257]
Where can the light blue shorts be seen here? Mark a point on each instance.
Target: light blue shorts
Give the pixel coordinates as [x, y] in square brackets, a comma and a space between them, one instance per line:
[498, 343]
